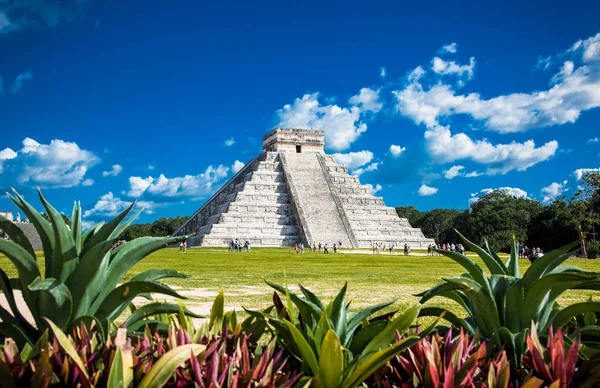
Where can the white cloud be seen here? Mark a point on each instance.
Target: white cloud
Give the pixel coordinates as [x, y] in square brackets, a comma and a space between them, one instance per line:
[6, 154]
[151, 167]
[237, 166]
[593, 140]
[514, 191]
[116, 170]
[425, 191]
[473, 174]
[20, 15]
[367, 99]
[20, 81]
[575, 89]
[396, 150]
[353, 160]
[439, 66]
[449, 48]
[110, 206]
[229, 142]
[54, 165]
[499, 158]
[190, 186]
[4, 22]
[370, 167]
[553, 190]
[382, 72]
[87, 182]
[342, 126]
[453, 172]
[374, 189]
[578, 174]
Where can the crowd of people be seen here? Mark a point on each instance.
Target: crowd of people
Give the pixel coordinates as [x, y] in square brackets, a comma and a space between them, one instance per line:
[237, 246]
[377, 248]
[458, 248]
[317, 248]
[529, 253]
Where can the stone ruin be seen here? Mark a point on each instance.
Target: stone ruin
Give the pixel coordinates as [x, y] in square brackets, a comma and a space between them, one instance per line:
[294, 192]
[27, 228]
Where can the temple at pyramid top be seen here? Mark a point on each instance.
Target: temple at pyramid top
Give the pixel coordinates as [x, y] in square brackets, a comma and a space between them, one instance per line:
[294, 140]
[294, 192]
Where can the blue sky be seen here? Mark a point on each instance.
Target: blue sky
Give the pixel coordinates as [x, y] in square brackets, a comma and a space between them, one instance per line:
[433, 104]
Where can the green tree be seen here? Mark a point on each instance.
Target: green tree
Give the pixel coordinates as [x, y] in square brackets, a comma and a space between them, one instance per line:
[498, 215]
[438, 224]
[549, 228]
[409, 212]
[65, 218]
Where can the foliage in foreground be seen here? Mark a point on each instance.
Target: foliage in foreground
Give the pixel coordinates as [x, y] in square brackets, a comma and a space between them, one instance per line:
[503, 306]
[83, 276]
[226, 353]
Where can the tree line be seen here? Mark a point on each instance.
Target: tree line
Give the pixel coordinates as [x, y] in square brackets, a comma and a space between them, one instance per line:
[498, 215]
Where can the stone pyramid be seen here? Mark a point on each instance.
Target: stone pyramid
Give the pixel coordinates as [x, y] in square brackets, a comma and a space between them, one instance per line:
[294, 192]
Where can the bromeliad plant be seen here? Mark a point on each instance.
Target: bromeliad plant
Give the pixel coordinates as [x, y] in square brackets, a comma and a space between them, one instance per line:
[80, 281]
[502, 306]
[338, 348]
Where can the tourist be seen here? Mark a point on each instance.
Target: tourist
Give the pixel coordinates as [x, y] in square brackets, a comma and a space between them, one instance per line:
[185, 246]
[334, 248]
[181, 246]
[314, 247]
[325, 250]
[429, 250]
[406, 249]
[320, 246]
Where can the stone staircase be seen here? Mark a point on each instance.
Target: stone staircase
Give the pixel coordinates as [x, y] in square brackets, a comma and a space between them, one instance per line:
[315, 206]
[370, 219]
[254, 206]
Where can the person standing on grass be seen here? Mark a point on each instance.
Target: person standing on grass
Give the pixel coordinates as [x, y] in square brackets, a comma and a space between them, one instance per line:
[181, 246]
[334, 248]
[325, 250]
[185, 246]
[320, 246]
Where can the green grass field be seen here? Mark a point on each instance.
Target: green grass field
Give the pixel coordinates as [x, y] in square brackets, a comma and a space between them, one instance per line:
[371, 278]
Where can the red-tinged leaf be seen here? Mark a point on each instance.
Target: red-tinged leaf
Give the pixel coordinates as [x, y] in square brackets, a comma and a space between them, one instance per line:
[538, 361]
[571, 361]
[449, 377]
[432, 376]
[196, 370]
[558, 359]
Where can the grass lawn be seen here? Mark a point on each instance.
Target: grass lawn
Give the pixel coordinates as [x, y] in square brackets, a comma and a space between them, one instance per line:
[371, 278]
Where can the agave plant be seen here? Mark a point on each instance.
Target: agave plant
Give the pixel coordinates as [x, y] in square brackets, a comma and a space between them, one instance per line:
[502, 306]
[338, 348]
[80, 281]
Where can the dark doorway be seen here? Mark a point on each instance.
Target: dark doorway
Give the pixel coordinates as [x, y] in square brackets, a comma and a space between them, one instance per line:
[298, 149]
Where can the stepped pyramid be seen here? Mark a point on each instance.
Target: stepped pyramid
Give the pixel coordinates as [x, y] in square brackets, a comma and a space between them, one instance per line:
[294, 192]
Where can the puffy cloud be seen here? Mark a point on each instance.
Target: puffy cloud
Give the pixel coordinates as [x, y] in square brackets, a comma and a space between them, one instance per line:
[110, 206]
[342, 126]
[382, 72]
[353, 160]
[20, 81]
[514, 191]
[453, 172]
[168, 189]
[54, 165]
[87, 182]
[473, 174]
[575, 89]
[237, 166]
[374, 189]
[370, 167]
[396, 150]
[439, 66]
[593, 140]
[426, 191]
[116, 170]
[6, 154]
[449, 48]
[499, 158]
[367, 99]
[553, 190]
[229, 142]
[578, 174]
